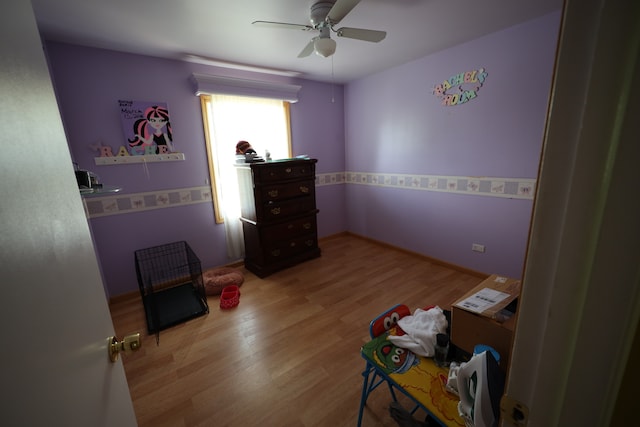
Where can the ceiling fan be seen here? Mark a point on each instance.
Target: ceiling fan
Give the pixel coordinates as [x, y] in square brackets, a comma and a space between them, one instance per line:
[324, 16]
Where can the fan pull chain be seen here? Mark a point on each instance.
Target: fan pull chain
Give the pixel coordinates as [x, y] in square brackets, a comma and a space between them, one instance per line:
[333, 100]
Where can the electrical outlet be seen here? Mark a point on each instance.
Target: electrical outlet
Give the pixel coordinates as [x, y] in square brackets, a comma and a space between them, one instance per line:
[476, 247]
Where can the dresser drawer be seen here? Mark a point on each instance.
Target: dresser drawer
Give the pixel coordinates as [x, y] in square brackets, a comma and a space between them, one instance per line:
[286, 191]
[290, 229]
[283, 249]
[278, 172]
[273, 211]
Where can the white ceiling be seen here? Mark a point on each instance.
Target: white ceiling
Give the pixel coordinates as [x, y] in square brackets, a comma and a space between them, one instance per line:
[222, 29]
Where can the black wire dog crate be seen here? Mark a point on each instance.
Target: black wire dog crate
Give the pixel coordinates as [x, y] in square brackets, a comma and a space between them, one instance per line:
[171, 285]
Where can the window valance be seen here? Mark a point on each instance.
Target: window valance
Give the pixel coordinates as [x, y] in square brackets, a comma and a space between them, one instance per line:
[208, 84]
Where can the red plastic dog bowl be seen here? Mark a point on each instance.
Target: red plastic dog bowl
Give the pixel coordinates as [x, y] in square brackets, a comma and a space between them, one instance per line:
[230, 297]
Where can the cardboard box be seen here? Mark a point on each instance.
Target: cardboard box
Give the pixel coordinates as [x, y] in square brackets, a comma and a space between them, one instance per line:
[470, 329]
[479, 317]
[490, 297]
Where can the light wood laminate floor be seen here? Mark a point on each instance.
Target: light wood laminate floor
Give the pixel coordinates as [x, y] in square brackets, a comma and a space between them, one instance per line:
[288, 354]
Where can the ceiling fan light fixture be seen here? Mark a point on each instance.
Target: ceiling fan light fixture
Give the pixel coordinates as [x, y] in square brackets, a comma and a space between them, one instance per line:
[325, 14]
[324, 47]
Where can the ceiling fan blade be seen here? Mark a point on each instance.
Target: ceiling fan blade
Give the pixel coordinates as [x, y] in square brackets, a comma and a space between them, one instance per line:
[307, 49]
[285, 25]
[362, 34]
[340, 9]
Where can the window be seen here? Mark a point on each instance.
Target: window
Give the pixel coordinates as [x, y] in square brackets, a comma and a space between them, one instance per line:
[227, 120]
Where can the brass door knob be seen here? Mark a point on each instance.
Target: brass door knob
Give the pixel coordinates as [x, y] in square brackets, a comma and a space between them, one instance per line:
[129, 344]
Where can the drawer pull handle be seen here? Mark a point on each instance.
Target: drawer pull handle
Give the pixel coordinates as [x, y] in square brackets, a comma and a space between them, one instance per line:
[304, 189]
[290, 226]
[288, 170]
[275, 252]
[309, 242]
[306, 225]
[273, 193]
[275, 211]
[292, 244]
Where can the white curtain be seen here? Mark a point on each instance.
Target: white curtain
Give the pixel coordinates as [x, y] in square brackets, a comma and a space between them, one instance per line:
[262, 122]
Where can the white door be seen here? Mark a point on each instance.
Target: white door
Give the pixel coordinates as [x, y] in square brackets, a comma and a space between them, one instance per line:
[580, 302]
[55, 322]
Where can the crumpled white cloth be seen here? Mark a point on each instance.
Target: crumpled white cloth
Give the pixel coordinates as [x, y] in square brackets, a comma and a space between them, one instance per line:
[421, 329]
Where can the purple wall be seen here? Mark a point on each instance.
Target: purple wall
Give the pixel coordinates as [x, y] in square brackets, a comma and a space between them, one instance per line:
[317, 122]
[394, 124]
[386, 123]
[89, 82]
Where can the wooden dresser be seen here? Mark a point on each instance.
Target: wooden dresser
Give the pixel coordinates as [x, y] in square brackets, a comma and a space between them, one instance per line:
[278, 214]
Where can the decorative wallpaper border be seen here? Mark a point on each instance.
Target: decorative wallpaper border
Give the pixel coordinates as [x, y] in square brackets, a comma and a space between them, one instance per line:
[116, 204]
[513, 188]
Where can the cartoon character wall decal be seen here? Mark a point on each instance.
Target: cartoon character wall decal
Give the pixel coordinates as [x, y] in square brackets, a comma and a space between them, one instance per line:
[152, 133]
[147, 127]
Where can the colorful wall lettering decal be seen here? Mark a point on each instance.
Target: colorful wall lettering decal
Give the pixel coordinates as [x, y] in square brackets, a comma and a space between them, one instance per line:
[460, 88]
